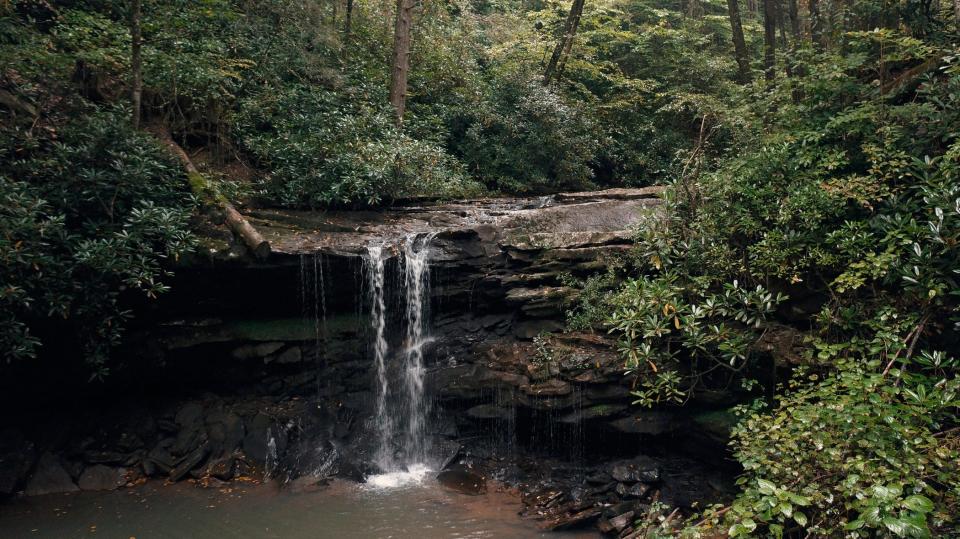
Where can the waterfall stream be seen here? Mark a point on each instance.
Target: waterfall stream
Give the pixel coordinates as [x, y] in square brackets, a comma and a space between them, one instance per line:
[400, 408]
[375, 269]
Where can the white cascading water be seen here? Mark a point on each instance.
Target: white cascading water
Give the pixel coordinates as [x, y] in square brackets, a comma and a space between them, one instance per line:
[405, 402]
[374, 268]
[416, 270]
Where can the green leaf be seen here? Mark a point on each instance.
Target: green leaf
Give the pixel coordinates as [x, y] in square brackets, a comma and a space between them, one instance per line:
[854, 525]
[895, 525]
[800, 518]
[766, 487]
[919, 503]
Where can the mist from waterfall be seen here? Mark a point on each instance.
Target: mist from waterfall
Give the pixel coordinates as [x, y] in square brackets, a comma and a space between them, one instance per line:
[401, 410]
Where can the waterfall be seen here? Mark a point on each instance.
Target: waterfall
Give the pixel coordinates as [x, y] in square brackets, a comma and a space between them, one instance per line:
[416, 251]
[401, 410]
[374, 268]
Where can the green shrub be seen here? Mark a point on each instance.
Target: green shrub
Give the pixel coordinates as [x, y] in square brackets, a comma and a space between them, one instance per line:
[97, 211]
[853, 453]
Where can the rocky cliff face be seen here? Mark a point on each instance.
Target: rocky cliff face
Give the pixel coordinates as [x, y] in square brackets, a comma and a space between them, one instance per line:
[270, 364]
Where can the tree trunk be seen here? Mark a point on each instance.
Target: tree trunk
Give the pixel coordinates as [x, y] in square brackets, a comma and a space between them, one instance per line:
[770, 39]
[956, 12]
[816, 23]
[136, 62]
[566, 41]
[401, 58]
[739, 44]
[794, 20]
[202, 189]
[348, 19]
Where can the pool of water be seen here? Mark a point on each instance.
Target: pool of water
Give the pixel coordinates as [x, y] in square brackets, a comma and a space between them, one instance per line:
[422, 510]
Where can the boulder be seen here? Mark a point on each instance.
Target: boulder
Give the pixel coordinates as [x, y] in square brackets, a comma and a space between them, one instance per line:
[189, 414]
[463, 480]
[635, 491]
[158, 460]
[638, 469]
[17, 456]
[258, 434]
[100, 477]
[225, 432]
[191, 461]
[49, 477]
[223, 468]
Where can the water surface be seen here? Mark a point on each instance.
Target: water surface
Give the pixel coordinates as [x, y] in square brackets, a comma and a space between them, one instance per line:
[340, 510]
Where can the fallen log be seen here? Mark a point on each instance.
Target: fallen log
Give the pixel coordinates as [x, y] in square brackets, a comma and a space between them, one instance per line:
[202, 188]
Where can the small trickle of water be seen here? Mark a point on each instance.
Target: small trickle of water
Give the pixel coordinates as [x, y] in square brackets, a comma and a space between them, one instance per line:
[270, 465]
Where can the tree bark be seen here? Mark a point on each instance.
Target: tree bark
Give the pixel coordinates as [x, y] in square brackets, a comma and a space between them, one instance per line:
[794, 13]
[770, 39]
[348, 19]
[136, 62]
[816, 23]
[202, 189]
[566, 42]
[739, 44]
[956, 12]
[401, 58]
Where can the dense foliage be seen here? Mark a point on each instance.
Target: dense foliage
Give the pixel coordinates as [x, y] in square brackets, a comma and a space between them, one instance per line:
[88, 210]
[833, 219]
[818, 200]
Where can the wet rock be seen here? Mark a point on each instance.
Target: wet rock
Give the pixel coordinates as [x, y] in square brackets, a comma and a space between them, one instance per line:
[571, 521]
[638, 469]
[223, 468]
[100, 477]
[189, 415]
[622, 521]
[550, 388]
[652, 423]
[191, 461]
[531, 328]
[49, 477]
[498, 378]
[488, 411]
[159, 460]
[17, 455]
[258, 434]
[716, 425]
[463, 480]
[594, 412]
[307, 483]
[636, 490]
[188, 438]
[254, 351]
[288, 356]
[225, 432]
[105, 457]
[599, 477]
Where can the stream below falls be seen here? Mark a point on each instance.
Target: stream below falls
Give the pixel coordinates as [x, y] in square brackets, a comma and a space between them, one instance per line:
[339, 510]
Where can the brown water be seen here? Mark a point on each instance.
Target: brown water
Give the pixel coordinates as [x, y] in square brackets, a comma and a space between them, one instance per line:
[341, 510]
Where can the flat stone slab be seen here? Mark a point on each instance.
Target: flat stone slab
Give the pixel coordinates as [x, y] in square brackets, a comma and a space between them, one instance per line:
[566, 220]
